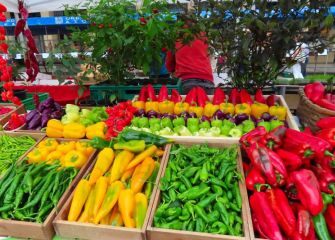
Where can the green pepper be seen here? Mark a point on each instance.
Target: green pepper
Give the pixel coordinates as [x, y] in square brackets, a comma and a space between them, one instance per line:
[321, 227]
[193, 121]
[135, 121]
[130, 134]
[224, 130]
[266, 125]
[191, 226]
[196, 177]
[201, 213]
[168, 172]
[217, 182]
[193, 193]
[229, 178]
[154, 121]
[213, 216]
[161, 209]
[185, 181]
[238, 198]
[217, 190]
[248, 126]
[182, 188]
[155, 128]
[205, 125]
[223, 211]
[172, 194]
[204, 173]
[135, 146]
[207, 201]
[236, 132]
[238, 229]
[179, 121]
[167, 122]
[230, 195]
[173, 212]
[199, 225]
[275, 123]
[185, 214]
[190, 171]
[217, 123]
[185, 224]
[143, 122]
[193, 128]
[176, 224]
[189, 206]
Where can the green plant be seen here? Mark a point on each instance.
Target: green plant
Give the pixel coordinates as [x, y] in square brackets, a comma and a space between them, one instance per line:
[258, 36]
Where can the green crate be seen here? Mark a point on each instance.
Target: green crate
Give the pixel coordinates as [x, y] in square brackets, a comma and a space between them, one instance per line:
[29, 101]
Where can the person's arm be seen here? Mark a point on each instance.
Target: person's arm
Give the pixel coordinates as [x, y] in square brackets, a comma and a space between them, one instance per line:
[170, 62]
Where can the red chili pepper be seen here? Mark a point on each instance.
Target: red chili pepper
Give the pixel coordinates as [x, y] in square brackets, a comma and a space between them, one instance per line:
[252, 137]
[245, 96]
[264, 215]
[191, 97]
[19, 28]
[282, 211]
[318, 91]
[151, 93]
[4, 97]
[163, 94]
[219, 96]
[273, 140]
[330, 219]
[3, 47]
[326, 122]
[279, 167]
[202, 97]
[234, 96]
[291, 160]
[271, 100]
[175, 96]
[305, 224]
[308, 131]
[308, 190]
[143, 95]
[326, 178]
[8, 86]
[254, 179]
[3, 8]
[328, 135]
[259, 96]
[326, 104]
[308, 90]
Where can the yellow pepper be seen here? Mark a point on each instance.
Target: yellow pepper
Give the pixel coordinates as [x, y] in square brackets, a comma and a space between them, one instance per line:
[166, 107]
[181, 107]
[257, 109]
[49, 144]
[75, 159]
[127, 174]
[37, 155]
[159, 152]
[79, 198]
[84, 147]
[101, 188]
[54, 156]
[111, 197]
[151, 106]
[54, 128]
[141, 207]
[120, 164]
[87, 215]
[197, 110]
[105, 219]
[96, 130]
[127, 206]
[67, 146]
[74, 130]
[135, 146]
[116, 218]
[141, 174]
[104, 161]
[227, 108]
[210, 109]
[140, 157]
[243, 108]
[138, 104]
[278, 111]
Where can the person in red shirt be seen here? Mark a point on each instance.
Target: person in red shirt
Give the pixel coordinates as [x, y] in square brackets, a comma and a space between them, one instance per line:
[191, 63]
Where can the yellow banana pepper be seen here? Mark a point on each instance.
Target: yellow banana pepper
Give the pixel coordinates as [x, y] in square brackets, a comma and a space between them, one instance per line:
[197, 110]
[278, 111]
[151, 106]
[37, 155]
[79, 198]
[96, 130]
[138, 104]
[116, 218]
[127, 174]
[120, 164]
[140, 157]
[166, 107]
[87, 215]
[242, 108]
[227, 108]
[49, 144]
[75, 159]
[54, 156]
[210, 109]
[181, 107]
[141, 207]
[54, 128]
[104, 161]
[101, 188]
[135, 146]
[141, 174]
[257, 109]
[126, 207]
[74, 130]
[66, 146]
[84, 147]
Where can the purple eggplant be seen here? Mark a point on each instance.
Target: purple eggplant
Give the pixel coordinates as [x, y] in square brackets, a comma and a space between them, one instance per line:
[165, 115]
[31, 115]
[184, 115]
[44, 120]
[152, 114]
[192, 115]
[47, 111]
[35, 122]
[49, 103]
[56, 114]
[58, 107]
[219, 115]
[266, 116]
[240, 118]
[273, 118]
[205, 119]
[228, 116]
[140, 113]
[172, 116]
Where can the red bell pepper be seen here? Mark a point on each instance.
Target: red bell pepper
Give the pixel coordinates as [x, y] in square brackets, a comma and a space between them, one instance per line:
[254, 179]
[151, 93]
[273, 140]
[253, 136]
[333, 99]
[303, 150]
[202, 97]
[305, 225]
[271, 100]
[328, 96]
[318, 91]
[234, 96]
[308, 90]
[143, 95]
[328, 135]
[290, 189]
[330, 219]
[259, 96]
[326, 178]
[257, 227]
[219, 96]
[308, 131]
[326, 122]
[308, 189]
[326, 104]
[175, 96]
[282, 211]
[163, 94]
[291, 160]
[245, 96]
[191, 97]
[264, 216]
[279, 167]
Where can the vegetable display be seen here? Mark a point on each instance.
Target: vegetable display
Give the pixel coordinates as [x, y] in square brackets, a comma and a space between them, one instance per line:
[118, 189]
[28, 192]
[12, 148]
[200, 191]
[291, 180]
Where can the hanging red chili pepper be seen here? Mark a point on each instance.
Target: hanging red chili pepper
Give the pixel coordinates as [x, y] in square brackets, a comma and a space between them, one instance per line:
[219, 96]
[245, 96]
[163, 94]
[175, 96]
[259, 96]
[234, 96]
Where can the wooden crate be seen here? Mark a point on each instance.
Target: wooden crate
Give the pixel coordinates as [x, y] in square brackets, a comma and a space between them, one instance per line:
[43, 230]
[88, 231]
[200, 139]
[167, 234]
[5, 117]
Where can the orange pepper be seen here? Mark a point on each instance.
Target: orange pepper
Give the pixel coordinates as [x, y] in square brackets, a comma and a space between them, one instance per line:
[197, 110]
[166, 107]
[127, 207]
[139, 104]
[141, 174]
[181, 107]
[151, 106]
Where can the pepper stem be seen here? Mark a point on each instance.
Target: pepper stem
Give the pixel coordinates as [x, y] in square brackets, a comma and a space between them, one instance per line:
[258, 187]
[308, 153]
[329, 154]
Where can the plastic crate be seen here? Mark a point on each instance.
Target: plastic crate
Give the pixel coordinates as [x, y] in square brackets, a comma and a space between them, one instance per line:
[29, 101]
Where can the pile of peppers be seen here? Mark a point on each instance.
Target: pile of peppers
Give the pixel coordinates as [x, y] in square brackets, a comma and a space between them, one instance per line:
[200, 191]
[291, 181]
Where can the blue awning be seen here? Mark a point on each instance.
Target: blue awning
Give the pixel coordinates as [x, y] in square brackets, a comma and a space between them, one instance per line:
[48, 21]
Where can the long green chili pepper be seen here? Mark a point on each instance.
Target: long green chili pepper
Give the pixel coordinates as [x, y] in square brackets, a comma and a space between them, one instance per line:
[11, 191]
